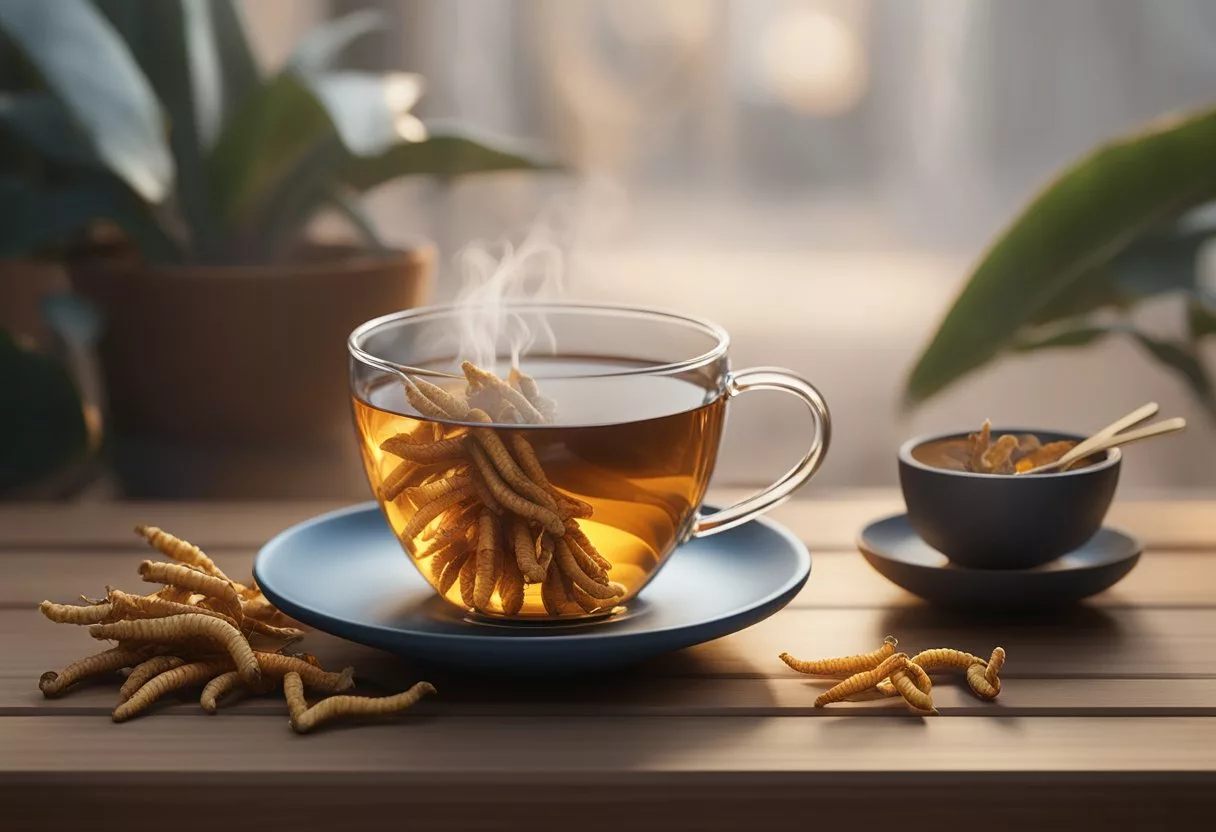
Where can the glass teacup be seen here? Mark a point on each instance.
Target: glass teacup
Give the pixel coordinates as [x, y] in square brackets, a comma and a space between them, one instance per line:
[552, 486]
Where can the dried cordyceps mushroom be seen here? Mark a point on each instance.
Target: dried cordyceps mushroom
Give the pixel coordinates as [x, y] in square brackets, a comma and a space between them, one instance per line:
[863, 681]
[217, 689]
[144, 671]
[180, 550]
[185, 676]
[304, 718]
[523, 525]
[845, 665]
[54, 683]
[895, 674]
[917, 699]
[1008, 454]
[977, 680]
[946, 658]
[196, 631]
[177, 628]
[74, 613]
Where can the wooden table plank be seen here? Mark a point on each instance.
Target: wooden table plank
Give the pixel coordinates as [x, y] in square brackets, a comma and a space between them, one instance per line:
[632, 695]
[896, 799]
[1087, 642]
[829, 521]
[838, 579]
[608, 750]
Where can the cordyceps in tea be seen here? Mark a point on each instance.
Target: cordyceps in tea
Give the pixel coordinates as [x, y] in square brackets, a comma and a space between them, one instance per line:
[539, 499]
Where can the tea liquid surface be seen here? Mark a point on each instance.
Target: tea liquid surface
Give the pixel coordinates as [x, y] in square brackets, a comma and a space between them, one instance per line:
[639, 449]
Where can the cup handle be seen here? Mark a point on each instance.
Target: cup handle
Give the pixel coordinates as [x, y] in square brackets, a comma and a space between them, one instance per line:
[773, 378]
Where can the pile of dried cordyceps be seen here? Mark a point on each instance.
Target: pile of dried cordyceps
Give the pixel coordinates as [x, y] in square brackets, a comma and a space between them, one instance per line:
[486, 514]
[897, 674]
[201, 629]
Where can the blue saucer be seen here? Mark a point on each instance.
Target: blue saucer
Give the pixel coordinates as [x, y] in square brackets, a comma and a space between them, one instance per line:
[898, 554]
[344, 573]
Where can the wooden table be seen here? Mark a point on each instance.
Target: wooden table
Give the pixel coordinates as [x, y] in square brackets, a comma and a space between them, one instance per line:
[1108, 711]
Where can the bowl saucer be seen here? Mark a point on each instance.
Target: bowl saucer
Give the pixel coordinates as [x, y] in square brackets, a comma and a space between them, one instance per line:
[898, 554]
[344, 573]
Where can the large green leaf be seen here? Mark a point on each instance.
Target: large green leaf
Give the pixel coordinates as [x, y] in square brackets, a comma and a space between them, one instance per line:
[447, 154]
[275, 129]
[35, 216]
[41, 416]
[239, 67]
[295, 133]
[1159, 262]
[86, 65]
[172, 41]
[317, 50]
[1091, 213]
[42, 124]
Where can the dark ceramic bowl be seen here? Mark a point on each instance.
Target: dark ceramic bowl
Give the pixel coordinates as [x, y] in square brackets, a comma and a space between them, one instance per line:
[998, 521]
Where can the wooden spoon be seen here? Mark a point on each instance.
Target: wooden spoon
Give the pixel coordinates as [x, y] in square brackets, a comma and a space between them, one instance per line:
[1086, 446]
[1168, 426]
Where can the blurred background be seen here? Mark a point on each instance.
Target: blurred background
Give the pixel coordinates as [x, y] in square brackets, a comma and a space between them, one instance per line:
[818, 176]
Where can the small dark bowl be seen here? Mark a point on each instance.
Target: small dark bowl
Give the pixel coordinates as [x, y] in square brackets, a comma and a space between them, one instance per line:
[999, 521]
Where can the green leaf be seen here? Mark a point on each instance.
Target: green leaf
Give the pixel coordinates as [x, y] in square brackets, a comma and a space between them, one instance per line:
[171, 40]
[86, 65]
[284, 214]
[275, 129]
[1183, 361]
[239, 68]
[445, 156]
[317, 50]
[297, 126]
[1093, 211]
[41, 416]
[43, 125]
[35, 216]
[1160, 262]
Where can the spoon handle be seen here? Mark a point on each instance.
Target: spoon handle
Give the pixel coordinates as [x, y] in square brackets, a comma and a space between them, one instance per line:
[1168, 426]
[1090, 445]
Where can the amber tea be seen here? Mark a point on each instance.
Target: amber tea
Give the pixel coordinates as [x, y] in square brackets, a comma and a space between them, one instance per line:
[552, 493]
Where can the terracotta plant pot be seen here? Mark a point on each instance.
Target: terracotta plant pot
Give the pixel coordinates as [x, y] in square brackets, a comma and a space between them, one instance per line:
[241, 371]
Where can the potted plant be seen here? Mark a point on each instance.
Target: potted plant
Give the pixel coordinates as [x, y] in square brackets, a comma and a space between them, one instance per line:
[1119, 226]
[224, 322]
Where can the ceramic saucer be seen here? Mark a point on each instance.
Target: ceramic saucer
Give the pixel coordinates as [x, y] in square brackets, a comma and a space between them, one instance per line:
[344, 573]
[892, 548]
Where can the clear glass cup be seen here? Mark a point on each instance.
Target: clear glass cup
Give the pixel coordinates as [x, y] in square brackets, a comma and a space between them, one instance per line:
[559, 494]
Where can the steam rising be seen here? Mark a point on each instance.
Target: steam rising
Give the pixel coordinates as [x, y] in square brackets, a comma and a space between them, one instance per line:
[496, 276]
[499, 278]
